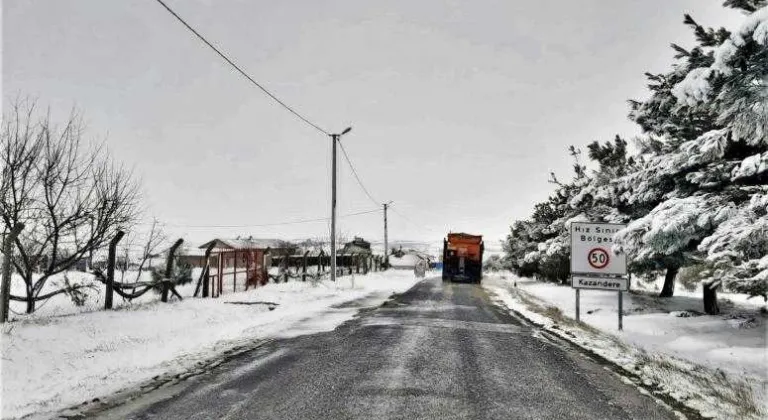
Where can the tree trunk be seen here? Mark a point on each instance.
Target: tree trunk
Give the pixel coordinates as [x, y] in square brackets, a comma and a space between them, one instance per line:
[669, 282]
[30, 303]
[710, 299]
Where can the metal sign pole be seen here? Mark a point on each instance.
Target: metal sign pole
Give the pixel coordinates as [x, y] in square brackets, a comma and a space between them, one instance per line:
[578, 303]
[621, 310]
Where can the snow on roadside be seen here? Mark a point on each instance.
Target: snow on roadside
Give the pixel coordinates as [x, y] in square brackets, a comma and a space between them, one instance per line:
[713, 364]
[50, 363]
[93, 294]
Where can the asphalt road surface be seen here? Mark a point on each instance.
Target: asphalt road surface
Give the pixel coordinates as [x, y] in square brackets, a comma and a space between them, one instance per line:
[438, 351]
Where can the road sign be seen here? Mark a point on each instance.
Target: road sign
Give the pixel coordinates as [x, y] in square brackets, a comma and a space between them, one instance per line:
[591, 251]
[598, 258]
[600, 283]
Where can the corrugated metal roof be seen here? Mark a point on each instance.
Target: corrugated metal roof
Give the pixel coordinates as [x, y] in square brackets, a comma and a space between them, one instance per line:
[226, 243]
[189, 251]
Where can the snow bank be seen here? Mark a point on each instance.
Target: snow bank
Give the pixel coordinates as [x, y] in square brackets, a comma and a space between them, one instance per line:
[62, 304]
[406, 261]
[53, 362]
[706, 362]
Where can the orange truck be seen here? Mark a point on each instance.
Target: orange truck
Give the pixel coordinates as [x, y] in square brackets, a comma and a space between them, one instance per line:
[463, 257]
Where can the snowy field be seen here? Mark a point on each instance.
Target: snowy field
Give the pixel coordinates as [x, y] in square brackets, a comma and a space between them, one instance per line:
[65, 355]
[717, 365]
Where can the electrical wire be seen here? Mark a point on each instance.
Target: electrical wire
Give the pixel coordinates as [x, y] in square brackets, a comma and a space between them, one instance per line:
[411, 221]
[294, 222]
[236, 67]
[357, 177]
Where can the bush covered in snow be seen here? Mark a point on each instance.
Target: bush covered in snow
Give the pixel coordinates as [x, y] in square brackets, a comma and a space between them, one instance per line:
[494, 263]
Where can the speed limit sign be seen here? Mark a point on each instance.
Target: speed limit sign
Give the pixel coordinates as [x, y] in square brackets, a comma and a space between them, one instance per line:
[594, 265]
[591, 249]
[598, 258]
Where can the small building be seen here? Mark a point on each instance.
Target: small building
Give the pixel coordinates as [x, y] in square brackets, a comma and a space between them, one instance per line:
[194, 257]
[357, 246]
[240, 263]
[228, 248]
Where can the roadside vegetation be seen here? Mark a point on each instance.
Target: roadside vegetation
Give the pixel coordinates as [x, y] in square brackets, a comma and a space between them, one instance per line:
[694, 189]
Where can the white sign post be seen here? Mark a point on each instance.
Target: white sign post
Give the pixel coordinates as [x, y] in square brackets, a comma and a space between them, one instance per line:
[594, 265]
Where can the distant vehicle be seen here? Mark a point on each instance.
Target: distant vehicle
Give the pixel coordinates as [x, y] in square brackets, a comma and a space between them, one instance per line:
[463, 257]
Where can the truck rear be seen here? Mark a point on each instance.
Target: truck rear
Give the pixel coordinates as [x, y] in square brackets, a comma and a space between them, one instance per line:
[463, 257]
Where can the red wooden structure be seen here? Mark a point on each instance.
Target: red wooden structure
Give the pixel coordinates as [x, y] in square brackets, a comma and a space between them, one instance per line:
[237, 269]
[236, 264]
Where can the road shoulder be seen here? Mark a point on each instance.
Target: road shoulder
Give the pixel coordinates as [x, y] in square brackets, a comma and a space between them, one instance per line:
[301, 318]
[689, 388]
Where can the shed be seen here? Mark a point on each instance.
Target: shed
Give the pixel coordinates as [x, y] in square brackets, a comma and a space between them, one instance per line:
[241, 261]
[357, 246]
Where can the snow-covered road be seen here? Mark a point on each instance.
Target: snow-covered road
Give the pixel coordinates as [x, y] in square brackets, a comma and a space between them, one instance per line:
[51, 363]
[442, 351]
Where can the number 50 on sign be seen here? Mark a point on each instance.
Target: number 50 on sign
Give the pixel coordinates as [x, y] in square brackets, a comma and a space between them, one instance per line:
[591, 249]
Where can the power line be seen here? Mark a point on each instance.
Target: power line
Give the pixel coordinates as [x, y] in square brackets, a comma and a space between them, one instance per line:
[411, 221]
[354, 172]
[236, 67]
[294, 222]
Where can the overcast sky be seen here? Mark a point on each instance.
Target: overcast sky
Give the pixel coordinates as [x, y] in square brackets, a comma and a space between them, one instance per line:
[459, 109]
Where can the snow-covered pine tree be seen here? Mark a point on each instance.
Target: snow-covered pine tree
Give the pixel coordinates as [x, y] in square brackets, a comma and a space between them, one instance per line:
[705, 184]
[540, 246]
[735, 88]
[535, 246]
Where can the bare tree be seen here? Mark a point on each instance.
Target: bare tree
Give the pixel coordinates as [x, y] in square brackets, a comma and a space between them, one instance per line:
[314, 245]
[124, 260]
[70, 196]
[155, 239]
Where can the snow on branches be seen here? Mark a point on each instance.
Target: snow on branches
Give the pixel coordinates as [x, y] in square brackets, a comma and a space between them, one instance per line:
[736, 83]
[695, 193]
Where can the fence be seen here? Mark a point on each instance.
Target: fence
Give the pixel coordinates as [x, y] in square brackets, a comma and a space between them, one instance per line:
[241, 269]
[244, 265]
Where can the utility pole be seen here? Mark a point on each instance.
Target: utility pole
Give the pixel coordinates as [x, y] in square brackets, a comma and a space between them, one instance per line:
[386, 238]
[334, 138]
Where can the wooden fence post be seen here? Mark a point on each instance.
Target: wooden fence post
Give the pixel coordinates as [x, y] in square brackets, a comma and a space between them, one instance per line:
[203, 280]
[249, 262]
[286, 265]
[169, 269]
[5, 288]
[110, 289]
[234, 272]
